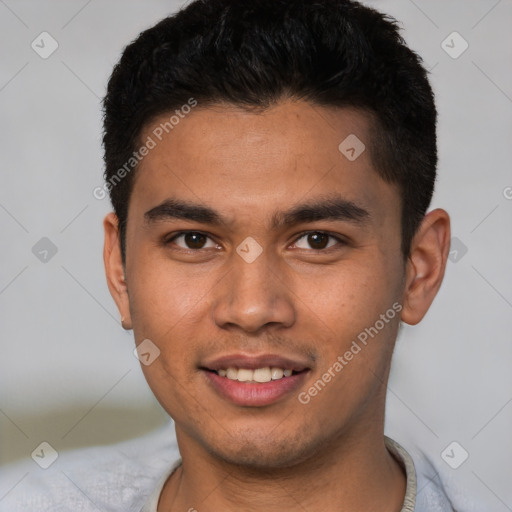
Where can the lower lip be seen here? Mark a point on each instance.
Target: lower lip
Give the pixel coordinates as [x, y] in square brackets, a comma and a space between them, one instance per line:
[255, 394]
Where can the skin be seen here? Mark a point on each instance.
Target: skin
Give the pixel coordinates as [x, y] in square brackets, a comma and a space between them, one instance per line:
[292, 300]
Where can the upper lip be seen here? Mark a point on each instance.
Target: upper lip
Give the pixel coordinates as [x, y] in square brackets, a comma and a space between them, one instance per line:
[255, 361]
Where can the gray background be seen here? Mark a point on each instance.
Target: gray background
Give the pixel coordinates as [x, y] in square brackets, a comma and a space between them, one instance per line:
[68, 375]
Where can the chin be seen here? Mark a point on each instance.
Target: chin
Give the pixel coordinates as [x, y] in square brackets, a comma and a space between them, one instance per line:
[263, 451]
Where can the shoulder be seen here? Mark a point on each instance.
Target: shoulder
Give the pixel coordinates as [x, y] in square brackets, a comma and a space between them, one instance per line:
[439, 488]
[423, 493]
[116, 477]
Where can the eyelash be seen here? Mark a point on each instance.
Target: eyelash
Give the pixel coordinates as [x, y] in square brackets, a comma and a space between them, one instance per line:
[340, 241]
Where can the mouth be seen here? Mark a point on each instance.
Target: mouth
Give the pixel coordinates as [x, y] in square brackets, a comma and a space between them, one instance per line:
[254, 381]
[259, 375]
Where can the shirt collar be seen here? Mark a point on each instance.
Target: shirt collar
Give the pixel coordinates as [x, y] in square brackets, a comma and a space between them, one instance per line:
[405, 460]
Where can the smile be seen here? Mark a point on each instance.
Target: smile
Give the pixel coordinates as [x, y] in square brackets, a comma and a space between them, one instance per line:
[259, 375]
[255, 380]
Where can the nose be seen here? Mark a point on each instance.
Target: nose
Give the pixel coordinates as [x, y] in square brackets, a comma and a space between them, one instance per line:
[253, 296]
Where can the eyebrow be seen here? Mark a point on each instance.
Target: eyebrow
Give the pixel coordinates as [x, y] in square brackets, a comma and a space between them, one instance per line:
[331, 208]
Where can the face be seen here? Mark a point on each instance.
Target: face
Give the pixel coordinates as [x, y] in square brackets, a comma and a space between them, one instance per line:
[254, 243]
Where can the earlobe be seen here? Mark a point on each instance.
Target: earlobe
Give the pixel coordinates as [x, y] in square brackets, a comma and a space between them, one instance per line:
[114, 269]
[426, 265]
[126, 325]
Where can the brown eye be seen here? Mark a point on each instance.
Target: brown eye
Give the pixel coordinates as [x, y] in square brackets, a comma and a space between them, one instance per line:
[317, 240]
[192, 240]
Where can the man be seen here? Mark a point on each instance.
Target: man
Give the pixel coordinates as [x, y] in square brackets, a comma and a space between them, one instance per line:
[267, 243]
[270, 164]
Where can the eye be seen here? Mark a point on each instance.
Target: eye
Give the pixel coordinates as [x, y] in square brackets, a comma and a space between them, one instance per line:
[192, 240]
[317, 240]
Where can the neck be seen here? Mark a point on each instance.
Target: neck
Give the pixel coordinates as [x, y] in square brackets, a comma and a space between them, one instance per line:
[357, 472]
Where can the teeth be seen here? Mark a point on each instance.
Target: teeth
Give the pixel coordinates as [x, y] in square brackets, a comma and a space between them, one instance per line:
[277, 373]
[244, 375]
[262, 375]
[232, 373]
[265, 374]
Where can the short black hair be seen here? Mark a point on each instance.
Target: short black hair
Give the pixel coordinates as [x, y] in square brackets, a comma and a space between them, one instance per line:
[253, 54]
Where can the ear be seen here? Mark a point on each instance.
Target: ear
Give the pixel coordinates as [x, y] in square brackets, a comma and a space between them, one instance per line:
[114, 269]
[426, 265]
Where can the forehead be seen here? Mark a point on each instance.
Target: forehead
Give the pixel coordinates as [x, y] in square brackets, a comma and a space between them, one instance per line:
[245, 162]
[229, 134]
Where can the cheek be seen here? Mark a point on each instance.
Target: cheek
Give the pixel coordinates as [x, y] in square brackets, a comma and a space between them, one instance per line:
[167, 294]
[169, 307]
[350, 297]
[356, 342]
[346, 308]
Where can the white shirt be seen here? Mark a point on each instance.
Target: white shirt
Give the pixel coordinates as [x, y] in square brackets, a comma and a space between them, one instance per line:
[129, 476]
